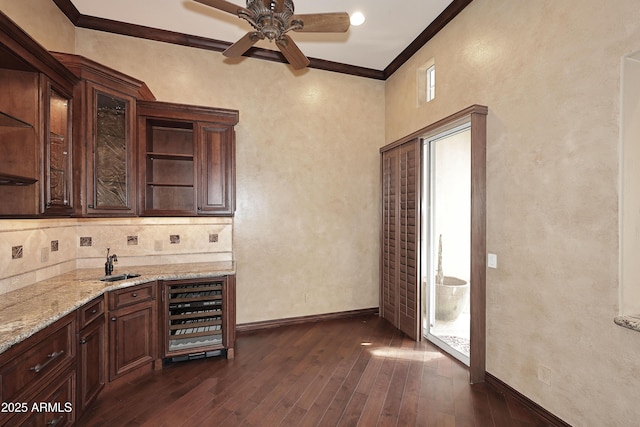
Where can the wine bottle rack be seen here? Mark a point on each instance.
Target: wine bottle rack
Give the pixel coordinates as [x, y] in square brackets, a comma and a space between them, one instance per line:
[197, 313]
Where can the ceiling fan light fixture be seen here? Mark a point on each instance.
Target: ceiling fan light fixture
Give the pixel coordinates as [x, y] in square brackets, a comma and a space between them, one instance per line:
[357, 18]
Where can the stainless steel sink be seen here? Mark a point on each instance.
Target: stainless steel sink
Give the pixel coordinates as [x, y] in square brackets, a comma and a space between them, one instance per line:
[117, 277]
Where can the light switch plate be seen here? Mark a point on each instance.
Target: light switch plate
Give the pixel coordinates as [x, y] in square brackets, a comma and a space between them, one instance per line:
[492, 261]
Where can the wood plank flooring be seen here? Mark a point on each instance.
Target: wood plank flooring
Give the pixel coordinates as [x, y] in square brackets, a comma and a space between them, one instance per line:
[349, 372]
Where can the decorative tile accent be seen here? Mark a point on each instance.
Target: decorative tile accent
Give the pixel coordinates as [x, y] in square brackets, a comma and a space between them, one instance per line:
[213, 237]
[54, 246]
[16, 252]
[132, 240]
[174, 239]
[86, 241]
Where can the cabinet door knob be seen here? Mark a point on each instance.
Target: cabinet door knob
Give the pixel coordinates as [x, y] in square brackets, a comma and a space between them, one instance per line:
[114, 319]
[94, 311]
[83, 341]
[134, 295]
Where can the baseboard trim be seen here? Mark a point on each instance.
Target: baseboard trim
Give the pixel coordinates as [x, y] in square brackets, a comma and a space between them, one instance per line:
[502, 387]
[276, 323]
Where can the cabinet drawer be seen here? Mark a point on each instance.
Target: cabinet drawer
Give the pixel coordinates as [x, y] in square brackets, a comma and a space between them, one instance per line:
[36, 363]
[132, 295]
[53, 406]
[90, 311]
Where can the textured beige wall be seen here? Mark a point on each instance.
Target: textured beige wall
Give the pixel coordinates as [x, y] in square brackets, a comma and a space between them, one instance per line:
[549, 71]
[43, 21]
[305, 230]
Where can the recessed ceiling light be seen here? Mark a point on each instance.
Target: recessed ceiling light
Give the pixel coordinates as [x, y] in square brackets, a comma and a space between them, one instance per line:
[357, 18]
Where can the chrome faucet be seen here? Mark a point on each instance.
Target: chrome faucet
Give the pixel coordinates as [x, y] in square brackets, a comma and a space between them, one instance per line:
[108, 266]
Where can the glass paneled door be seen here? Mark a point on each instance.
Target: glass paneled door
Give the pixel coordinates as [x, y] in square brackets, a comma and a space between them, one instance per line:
[446, 240]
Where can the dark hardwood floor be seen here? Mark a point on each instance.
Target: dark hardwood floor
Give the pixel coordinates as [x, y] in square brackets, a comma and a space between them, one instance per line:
[349, 372]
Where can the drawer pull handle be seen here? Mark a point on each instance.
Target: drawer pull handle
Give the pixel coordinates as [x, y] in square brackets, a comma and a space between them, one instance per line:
[55, 421]
[94, 311]
[50, 358]
[83, 341]
[134, 295]
[113, 319]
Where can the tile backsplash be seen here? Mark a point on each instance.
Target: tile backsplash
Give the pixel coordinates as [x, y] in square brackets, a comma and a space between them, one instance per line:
[48, 247]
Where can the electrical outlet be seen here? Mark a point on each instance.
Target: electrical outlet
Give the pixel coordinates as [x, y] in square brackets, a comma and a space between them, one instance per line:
[544, 374]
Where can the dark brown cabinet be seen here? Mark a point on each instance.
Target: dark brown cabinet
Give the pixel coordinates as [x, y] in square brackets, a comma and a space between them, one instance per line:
[19, 143]
[105, 126]
[55, 403]
[186, 159]
[35, 170]
[217, 170]
[198, 317]
[132, 328]
[35, 127]
[57, 161]
[41, 370]
[399, 276]
[91, 352]
[78, 138]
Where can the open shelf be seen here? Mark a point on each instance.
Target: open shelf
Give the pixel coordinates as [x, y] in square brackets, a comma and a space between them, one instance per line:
[16, 180]
[169, 156]
[170, 167]
[9, 121]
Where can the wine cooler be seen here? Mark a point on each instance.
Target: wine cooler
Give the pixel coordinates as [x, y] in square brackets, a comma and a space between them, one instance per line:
[198, 317]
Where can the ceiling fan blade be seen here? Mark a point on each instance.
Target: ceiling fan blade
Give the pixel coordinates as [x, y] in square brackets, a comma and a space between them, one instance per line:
[292, 52]
[223, 5]
[242, 45]
[337, 22]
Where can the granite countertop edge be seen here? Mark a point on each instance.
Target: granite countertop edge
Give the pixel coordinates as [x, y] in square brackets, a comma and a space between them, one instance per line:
[628, 321]
[28, 310]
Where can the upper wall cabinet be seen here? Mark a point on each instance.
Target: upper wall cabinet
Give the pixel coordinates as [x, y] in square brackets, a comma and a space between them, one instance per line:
[19, 143]
[105, 126]
[35, 127]
[78, 138]
[186, 159]
[57, 173]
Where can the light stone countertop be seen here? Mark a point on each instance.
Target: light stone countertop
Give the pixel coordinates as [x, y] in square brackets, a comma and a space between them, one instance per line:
[630, 322]
[25, 311]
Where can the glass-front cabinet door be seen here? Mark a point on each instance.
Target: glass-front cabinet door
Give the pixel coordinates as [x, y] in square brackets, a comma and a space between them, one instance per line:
[57, 163]
[110, 153]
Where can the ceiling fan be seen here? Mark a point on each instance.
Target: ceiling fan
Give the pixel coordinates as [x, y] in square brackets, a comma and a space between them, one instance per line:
[272, 19]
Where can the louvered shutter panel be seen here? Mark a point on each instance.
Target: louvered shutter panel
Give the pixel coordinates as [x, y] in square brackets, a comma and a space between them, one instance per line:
[400, 293]
[389, 237]
[408, 260]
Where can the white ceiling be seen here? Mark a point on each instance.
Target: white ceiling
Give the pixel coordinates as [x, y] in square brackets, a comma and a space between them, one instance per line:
[389, 28]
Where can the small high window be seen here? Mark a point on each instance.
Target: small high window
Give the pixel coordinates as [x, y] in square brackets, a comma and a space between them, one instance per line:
[426, 82]
[431, 83]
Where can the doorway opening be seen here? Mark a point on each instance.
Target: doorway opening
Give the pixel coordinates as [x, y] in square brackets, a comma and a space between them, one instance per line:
[446, 240]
